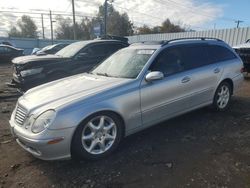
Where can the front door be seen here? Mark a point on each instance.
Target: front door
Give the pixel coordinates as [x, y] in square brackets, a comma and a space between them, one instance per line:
[165, 98]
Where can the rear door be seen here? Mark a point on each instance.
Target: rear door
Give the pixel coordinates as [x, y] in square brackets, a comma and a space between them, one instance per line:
[203, 73]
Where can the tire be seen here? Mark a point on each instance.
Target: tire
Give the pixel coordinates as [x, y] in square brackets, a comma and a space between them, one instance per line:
[93, 132]
[222, 96]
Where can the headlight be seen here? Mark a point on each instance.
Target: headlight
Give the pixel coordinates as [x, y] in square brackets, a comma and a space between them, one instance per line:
[31, 72]
[43, 121]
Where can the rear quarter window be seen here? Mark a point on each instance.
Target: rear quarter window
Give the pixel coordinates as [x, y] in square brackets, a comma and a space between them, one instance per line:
[220, 53]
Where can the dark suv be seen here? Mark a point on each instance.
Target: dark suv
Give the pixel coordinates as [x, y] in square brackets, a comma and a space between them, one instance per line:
[244, 52]
[30, 71]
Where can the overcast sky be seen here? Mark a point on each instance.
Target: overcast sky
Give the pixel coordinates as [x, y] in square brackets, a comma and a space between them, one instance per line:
[193, 14]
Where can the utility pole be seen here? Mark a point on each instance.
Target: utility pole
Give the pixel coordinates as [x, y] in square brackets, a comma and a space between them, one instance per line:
[105, 16]
[43, 26]
[51, 27]
[74, 18]
[238, 23]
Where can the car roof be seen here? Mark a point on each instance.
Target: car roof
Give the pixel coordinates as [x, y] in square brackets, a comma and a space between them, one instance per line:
[100, 41]
[160, 44]
[8, 46]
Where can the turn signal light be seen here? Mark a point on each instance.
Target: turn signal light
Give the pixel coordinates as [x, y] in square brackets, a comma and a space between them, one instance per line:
[55, 141]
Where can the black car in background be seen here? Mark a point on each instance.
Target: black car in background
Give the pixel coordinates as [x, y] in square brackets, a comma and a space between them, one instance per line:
[51, 49]
[244, 52]
[78, 57]
[7, 53]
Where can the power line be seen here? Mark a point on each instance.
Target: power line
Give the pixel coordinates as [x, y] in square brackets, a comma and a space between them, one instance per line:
[151, 17]
[138, 12]
[191, 9]
[45, 13]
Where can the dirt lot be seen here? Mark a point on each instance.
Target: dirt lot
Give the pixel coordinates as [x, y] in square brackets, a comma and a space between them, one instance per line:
[199, 149]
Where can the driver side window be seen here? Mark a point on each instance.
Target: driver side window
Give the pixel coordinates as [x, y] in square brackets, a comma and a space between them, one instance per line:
[169, 61]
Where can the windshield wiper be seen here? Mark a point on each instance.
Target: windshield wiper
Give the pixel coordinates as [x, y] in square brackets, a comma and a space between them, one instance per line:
[102, 74]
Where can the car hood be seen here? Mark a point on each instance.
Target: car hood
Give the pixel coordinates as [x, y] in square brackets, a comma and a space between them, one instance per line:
[245, 45]
[67, 90]
[34, 58]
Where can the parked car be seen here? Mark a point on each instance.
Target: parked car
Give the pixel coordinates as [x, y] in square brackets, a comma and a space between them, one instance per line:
[6, 43]
[30, 71]
[51, 49]
[244, 52]
[87, 115]
[7, 53]
[35, 50]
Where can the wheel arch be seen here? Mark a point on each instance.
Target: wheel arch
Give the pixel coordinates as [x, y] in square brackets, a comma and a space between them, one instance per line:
[102, 111]
[230, 81]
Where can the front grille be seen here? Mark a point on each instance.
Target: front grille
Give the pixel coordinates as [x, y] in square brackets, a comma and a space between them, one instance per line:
[21, 114]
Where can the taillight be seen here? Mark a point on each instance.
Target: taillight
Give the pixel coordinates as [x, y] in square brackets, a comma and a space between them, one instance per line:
[243, 69]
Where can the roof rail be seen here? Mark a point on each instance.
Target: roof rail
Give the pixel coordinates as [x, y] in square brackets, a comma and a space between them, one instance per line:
[112, 37]
[191, 38]
[150, 42]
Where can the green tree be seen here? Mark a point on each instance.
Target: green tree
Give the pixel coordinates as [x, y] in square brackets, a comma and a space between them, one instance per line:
[65, 29]
[166, 27]
[117, 24]
[26, 28]
[144, 30]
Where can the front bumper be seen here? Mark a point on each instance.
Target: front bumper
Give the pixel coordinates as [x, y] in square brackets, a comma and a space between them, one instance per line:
[26, 83]
[40, 146]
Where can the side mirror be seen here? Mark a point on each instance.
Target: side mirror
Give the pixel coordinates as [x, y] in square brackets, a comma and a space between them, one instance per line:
[155, 75]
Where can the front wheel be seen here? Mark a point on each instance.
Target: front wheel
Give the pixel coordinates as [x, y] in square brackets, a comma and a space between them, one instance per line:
[222, 96]
[97, 136]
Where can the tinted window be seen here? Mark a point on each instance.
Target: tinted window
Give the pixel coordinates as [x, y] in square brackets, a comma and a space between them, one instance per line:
[169, 61]
[114, 47]
[195, 56]
[97, 50]
[2, 50]
[219, 53]
[5, 50]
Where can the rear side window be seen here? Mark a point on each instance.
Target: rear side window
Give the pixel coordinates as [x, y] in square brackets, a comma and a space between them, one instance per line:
[220, 53]
[195, 56]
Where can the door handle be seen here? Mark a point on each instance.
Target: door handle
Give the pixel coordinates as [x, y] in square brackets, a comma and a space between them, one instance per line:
[185, 79]
[217, 70]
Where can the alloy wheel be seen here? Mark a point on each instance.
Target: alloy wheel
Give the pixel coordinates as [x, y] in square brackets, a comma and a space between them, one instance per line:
[99, 135]
[223, 96]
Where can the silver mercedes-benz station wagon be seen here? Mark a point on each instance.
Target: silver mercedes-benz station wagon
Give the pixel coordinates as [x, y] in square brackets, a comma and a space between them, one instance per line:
[87, 115]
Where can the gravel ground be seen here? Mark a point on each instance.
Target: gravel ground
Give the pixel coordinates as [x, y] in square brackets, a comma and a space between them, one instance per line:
[200, 149]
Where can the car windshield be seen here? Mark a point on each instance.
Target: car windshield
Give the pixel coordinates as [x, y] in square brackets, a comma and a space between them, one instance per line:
[71, 50]
[47, 47]
[126, 63]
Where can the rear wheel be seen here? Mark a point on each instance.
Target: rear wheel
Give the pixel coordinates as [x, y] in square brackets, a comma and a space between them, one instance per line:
[222, 96]
[97, 136]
